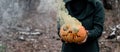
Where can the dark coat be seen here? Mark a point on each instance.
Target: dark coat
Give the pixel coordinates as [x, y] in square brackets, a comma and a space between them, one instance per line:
[92, 16]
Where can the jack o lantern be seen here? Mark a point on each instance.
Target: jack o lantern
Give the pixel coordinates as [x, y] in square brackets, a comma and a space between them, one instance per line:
[71, 34]
[71, 30]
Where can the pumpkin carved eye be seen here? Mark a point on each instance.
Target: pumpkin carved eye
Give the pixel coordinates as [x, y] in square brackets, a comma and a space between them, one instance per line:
[65, 28]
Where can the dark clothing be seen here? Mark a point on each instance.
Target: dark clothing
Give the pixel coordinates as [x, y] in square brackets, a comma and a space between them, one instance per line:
[91, 14]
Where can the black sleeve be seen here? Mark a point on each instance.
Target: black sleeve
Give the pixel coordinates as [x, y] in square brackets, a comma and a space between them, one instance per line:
[98, 22]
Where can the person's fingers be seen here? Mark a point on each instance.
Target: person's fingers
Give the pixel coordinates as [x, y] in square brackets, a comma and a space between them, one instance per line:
[85, 39]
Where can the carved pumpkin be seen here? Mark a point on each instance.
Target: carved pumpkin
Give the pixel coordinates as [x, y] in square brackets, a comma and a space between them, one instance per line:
[71, 30]
[72, 35]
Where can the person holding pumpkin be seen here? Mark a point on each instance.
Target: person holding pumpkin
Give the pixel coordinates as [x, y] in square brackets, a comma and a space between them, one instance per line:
[91, 14]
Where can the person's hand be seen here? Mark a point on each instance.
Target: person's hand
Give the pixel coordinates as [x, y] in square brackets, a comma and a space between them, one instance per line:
[84, 39]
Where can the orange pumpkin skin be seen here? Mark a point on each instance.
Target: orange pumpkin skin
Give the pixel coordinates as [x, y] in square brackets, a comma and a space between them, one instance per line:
[69, 38]
[68, 35]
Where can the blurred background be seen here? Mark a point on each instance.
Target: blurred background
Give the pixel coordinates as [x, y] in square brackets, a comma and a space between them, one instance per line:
[30, 26]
